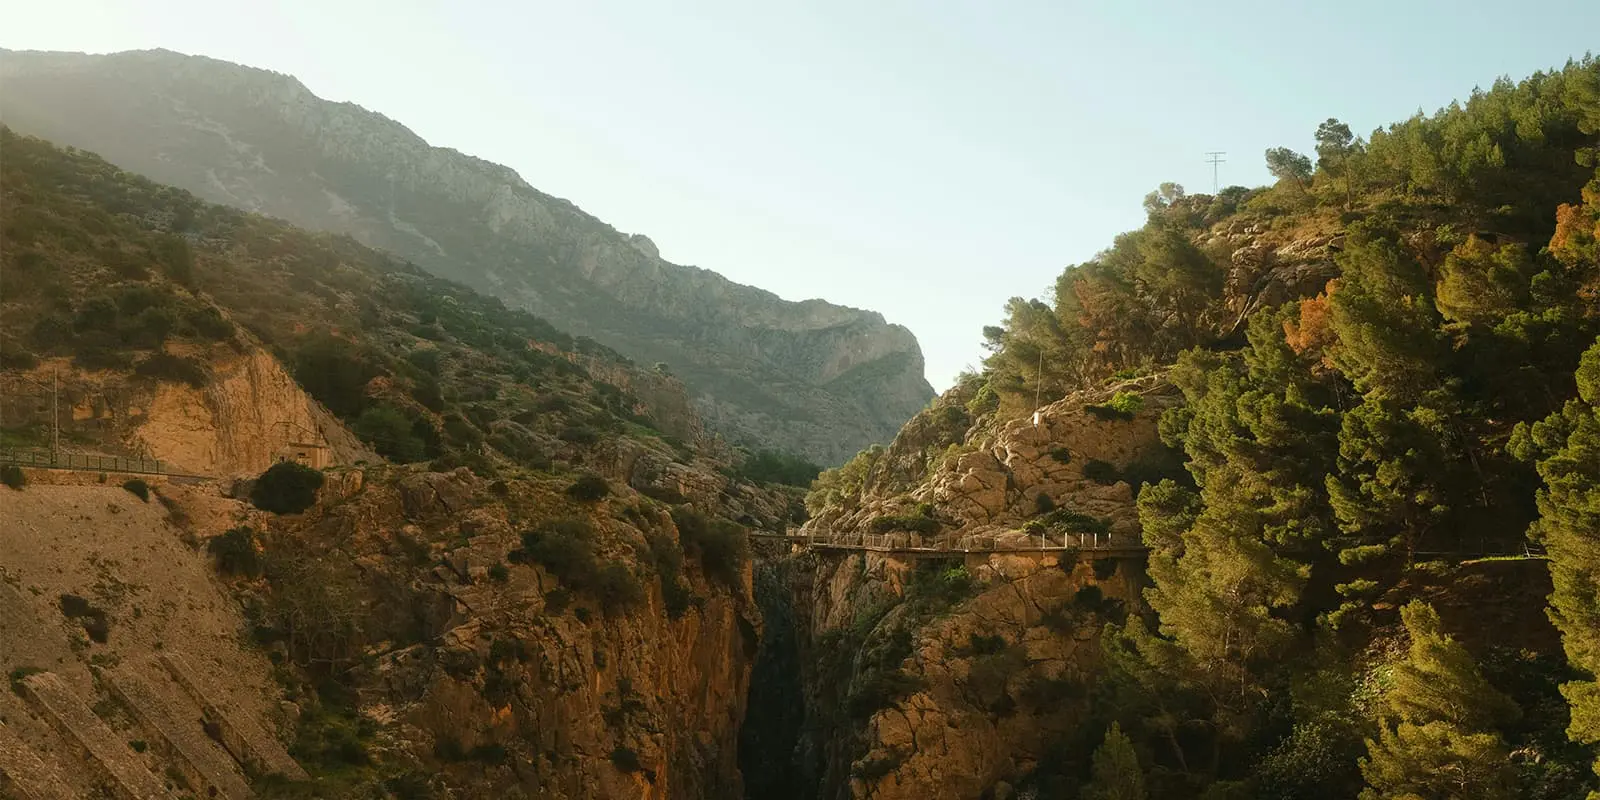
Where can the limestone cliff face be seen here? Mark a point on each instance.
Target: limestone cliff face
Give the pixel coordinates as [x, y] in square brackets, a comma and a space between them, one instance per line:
[250, 414]
[808, 376]
[247, 415]
[478, 652]
[966, 675]
[985, 476]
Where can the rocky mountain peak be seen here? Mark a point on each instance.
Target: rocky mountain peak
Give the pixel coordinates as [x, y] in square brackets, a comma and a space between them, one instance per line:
[809, 377]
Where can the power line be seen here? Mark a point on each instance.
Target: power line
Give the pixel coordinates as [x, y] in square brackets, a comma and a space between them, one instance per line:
[1216, 158]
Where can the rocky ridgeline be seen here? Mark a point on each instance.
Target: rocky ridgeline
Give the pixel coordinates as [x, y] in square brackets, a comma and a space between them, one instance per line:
[986, 481]
[810, 377]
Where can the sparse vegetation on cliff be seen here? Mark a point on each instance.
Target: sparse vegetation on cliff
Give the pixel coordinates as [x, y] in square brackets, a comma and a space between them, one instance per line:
[287, 487]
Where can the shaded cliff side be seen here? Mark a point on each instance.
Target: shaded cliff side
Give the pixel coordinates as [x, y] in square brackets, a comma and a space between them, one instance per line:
[809, 376]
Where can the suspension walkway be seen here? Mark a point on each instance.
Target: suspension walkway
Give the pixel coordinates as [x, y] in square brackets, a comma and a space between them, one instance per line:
[1084, 545]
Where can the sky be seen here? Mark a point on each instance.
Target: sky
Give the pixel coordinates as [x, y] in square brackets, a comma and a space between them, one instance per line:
[926, 159]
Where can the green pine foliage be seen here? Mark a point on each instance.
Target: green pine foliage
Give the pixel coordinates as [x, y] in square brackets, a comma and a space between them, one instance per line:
[1566, 448]
[1438, 732]
[1115, 773]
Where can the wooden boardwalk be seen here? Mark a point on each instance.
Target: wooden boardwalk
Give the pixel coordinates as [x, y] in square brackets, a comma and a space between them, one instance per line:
[1084, 545]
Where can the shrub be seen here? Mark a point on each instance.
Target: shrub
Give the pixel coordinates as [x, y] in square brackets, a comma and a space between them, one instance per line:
[20, 674]
[391, 433]
[668, 558]
[626, 759]
[95, 622]
[565, 547]
[1042, 503]
[1102, 472]
[91, 354]
[13, 356]
[617, 589]
[579, 435]
[879, 690]
[916, 523]
[721, 545]
[984, 645]
[163, 366]
[588, 488]
[235, 552]
[287, 487]
[557, 600]
[1062, 455]
[772, 466]
[1068, 521]
[499, 573]
[1121, 406]
[939, 584]
[11, 475]
[333, 371]
[138, 488]
[1105, 569]
[209, 323]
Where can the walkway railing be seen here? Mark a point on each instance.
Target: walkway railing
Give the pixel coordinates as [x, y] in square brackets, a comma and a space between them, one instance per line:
[45, 459]
[1015, 542]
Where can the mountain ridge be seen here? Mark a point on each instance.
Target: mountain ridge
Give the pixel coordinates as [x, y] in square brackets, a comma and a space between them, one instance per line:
[261, 140]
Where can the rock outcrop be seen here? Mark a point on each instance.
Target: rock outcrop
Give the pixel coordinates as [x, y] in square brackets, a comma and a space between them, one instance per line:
[504, 676]
[249, 414]
[987, 480]
[961, 675]
[809, 376]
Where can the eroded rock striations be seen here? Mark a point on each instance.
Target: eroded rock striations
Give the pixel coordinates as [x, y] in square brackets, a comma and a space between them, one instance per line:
[810, 377]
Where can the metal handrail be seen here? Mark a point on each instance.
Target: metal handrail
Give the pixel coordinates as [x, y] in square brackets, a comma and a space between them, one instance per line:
[85, 461]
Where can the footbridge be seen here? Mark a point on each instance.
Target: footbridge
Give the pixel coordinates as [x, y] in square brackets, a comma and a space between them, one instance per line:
[1081, 545]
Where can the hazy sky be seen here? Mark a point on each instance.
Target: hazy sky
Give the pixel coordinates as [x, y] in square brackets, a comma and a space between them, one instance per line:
[923, 159]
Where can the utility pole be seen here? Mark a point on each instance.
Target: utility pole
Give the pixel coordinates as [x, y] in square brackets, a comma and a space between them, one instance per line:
[55, 414]
[1216, 157]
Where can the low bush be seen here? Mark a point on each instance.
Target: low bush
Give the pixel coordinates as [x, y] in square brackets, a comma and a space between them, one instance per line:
[772, 466]
[236, 553]
[163, 366]
[938, 584]
[94, 620]
[287, 487]
[668, 559]
[1102, 472]
[11, 475]
[722, 545]
[1121, 406]
[138, 488]
[617, 589]
[588, 488]
[626, 759]
[1042, 503]
[566, 548]
[915, 523]
[1062, 455]
[1065, 520]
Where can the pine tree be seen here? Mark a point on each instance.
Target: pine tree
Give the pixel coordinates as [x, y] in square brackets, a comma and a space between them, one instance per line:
[1115, 772]
[1437, 736]
[1566, 446]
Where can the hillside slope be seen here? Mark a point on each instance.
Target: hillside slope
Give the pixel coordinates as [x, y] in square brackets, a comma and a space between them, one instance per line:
[808, 377]
[1321, 404]
[545, 589]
